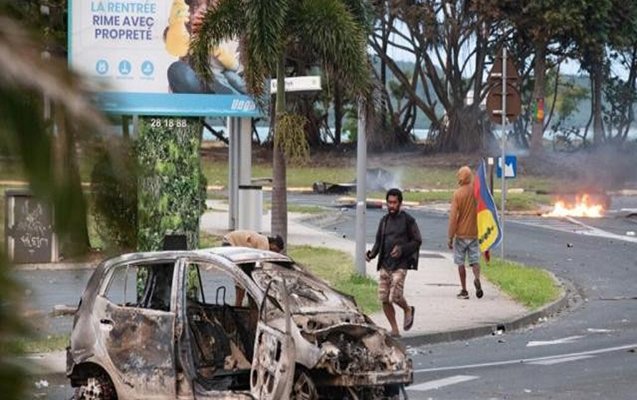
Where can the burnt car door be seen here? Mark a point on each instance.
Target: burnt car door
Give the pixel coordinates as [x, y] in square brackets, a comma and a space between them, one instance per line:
[272, 372]
[136, 321]
[218, 311]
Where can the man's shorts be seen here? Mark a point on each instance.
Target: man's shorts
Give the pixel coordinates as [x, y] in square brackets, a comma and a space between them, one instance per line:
[466, 248]
[391, 285]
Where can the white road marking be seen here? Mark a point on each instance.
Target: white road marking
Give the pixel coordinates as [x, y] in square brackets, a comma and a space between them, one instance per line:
[594, 330]
[560, 360]
[437, 384]
[565, 340]
[601, 233]
[527, 360]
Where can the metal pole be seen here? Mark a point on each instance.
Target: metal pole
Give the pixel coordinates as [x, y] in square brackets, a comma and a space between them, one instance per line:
[502, 159]
[361, 201]
[233, 173]
[490, 172]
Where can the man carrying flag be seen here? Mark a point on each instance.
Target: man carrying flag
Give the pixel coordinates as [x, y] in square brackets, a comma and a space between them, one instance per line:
[463, 232]
[489, 232]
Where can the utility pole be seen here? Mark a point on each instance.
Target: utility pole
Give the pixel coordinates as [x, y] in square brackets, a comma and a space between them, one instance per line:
[361, 180]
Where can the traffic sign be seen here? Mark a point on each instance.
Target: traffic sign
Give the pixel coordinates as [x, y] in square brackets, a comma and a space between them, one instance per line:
[513, 103]
[497, 75]
[510, 167]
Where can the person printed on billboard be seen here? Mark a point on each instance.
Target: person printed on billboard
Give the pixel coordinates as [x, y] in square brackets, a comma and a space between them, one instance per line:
[185, 20]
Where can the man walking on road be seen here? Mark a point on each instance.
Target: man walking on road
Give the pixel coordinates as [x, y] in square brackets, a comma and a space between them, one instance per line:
[397, 244]
[463, 232]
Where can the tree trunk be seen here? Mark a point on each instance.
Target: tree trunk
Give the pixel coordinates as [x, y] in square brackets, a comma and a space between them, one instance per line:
[279, 222]
[537, 129]
[73, 220]
[463, 130]
[596, 103]
[338, 113]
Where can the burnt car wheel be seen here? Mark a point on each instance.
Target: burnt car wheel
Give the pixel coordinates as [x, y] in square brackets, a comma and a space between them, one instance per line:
[304, 388]
[97, 387]
[392, 392]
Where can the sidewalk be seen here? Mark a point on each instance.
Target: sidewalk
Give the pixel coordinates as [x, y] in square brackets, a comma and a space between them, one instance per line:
[432, 289]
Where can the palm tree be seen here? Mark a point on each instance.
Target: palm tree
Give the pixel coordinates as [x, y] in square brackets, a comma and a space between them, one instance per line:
[334, 31]
[25, 78]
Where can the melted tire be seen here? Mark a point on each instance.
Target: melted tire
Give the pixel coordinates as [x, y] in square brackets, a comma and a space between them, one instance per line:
[97, 387]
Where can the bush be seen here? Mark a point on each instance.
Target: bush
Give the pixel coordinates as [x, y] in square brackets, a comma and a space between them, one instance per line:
[114, 187]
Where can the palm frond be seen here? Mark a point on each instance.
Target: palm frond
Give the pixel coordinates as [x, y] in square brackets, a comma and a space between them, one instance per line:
[224, 21]
[23, 67]
[362, 12]
[265, 40]
[20, 115]
[332, 32]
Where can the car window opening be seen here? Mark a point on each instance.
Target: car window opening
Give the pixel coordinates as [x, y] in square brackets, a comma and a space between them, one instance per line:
[222, 329]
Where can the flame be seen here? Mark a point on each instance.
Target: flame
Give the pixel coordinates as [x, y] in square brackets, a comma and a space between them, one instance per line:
[581, 208]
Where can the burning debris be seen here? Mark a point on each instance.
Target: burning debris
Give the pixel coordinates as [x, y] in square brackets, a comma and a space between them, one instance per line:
[582, 207]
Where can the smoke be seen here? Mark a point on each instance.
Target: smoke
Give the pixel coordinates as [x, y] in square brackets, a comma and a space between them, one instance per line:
[379, 179]
[603, 169]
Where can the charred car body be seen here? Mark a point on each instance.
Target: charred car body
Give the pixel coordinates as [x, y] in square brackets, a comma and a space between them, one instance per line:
[226, 323]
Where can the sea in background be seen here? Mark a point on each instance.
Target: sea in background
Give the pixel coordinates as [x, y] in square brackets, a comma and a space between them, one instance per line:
[420, 134]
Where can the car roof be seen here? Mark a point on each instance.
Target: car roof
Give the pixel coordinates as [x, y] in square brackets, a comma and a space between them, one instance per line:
[237, 255]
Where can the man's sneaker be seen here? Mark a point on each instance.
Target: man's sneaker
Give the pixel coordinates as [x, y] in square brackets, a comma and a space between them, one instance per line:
[463, 295]
[479, 292]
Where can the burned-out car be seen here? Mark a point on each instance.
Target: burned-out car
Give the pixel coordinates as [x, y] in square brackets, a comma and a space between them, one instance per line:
[228, 323]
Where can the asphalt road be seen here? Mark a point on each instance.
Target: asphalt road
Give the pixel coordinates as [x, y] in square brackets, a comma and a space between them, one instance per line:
[587, 352]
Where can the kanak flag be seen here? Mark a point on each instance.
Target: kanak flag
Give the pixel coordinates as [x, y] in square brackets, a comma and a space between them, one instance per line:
[489, 232]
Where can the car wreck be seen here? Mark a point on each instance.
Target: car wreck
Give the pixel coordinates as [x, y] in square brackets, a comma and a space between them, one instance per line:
[226, 323]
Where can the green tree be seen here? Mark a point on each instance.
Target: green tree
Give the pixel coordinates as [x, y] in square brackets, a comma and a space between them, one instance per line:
[591, 48]
[549, 26]
[25, 78]
[268, 30]
[448, 43]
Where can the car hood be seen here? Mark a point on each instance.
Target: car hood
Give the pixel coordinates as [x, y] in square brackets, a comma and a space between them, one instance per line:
[307, 294]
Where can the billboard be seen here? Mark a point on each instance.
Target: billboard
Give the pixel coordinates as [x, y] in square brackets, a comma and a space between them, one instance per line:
[136, 52]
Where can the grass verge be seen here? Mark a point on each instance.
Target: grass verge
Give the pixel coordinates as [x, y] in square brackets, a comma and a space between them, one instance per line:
[529, 286]
[46, 344]
[337, 268]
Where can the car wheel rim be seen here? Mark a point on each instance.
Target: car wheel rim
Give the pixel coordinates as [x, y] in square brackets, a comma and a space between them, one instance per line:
[304, 388]
[95, 389]
[92, 390]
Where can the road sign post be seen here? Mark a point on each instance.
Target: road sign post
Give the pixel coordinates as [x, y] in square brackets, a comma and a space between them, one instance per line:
[503, 105]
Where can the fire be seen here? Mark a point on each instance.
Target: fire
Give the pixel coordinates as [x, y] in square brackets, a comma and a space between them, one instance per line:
[581, 208]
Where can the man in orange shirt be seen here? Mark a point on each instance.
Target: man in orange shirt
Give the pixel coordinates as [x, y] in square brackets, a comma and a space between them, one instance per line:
[463, 232]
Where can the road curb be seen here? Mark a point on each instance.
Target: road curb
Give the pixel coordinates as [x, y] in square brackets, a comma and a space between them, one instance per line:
[322, 219]
[56, 266]
[569, 298]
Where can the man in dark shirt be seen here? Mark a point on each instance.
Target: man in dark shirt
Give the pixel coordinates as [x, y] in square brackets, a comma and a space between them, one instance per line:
[397, 244]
